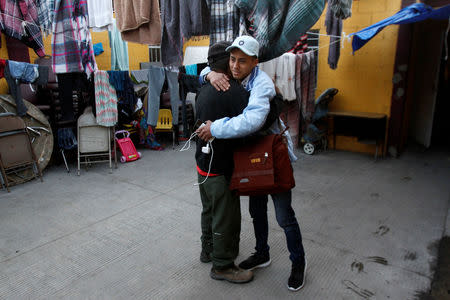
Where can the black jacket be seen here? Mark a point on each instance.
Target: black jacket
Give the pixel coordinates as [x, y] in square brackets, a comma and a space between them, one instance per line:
[213, 105]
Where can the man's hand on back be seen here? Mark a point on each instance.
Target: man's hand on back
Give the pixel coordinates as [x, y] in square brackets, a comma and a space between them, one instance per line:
[218, 80]
[204, 132]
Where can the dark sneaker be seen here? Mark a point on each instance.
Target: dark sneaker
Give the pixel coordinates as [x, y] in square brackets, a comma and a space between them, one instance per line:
[298, 274]
[204, 257]
[255, 261]
[232, 274]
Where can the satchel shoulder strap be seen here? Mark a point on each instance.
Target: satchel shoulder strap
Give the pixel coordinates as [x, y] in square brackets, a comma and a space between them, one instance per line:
[281, 129]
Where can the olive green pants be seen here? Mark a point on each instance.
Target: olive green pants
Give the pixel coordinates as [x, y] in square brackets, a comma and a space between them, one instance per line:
[220, 221]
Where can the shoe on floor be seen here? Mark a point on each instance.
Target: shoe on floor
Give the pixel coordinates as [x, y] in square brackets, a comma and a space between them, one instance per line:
[255, 261]
[205, 257]
[232, 274]
[298, 274]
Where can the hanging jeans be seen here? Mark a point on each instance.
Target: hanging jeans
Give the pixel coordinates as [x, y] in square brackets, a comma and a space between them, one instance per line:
[156, 78]
[286, 219]
[15, 74]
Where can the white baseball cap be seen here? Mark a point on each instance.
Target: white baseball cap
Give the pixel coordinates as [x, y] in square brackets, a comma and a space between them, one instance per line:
[247, 44]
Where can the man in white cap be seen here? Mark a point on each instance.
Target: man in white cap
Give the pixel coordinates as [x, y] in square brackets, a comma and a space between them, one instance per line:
[243, 66]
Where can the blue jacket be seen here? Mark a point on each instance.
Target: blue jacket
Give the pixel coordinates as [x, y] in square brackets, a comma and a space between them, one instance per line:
[261, 89]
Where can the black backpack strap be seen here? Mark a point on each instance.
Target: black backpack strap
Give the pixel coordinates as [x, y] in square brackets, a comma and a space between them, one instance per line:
[276, 107]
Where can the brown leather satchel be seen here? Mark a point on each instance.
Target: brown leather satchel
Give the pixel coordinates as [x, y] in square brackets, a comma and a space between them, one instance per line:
[262, 166]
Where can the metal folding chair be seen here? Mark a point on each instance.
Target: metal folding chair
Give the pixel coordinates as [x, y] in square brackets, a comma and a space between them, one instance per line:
[16, 151]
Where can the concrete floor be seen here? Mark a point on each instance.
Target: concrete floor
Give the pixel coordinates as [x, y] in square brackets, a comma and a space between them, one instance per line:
[370, 230]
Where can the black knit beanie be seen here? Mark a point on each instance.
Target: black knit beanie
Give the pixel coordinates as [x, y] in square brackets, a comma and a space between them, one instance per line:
[218, 58]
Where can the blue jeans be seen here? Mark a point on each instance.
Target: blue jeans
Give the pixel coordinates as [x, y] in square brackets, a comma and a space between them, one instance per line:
[286, 219]
[156, 78]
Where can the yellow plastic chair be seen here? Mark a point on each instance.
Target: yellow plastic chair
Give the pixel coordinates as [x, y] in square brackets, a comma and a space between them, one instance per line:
[164, 123]
[130, 128]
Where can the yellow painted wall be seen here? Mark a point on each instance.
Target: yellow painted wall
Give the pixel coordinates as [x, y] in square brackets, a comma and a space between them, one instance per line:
[136, 52]
[364, 80]
[4, 55]
[202, 40]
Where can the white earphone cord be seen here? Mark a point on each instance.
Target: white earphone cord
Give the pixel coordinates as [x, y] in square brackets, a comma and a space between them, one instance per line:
[187, 146]
[210, 163]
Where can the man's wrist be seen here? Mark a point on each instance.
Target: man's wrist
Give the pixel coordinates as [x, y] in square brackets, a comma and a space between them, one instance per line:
[211, 129]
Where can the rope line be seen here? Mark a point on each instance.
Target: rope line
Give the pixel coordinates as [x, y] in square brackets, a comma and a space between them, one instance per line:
[80, 41]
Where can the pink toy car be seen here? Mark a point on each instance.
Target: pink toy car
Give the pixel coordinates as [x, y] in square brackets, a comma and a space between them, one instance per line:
[126, 146]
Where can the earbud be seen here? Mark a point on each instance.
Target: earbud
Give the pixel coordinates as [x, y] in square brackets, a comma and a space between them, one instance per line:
[206, 149]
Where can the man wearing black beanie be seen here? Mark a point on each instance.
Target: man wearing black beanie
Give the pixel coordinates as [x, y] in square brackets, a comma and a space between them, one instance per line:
[221, 214]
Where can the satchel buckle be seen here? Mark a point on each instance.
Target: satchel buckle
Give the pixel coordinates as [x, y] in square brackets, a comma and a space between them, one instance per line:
[266, 155]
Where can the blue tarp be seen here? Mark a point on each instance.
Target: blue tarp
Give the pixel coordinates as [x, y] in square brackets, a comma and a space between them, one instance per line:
[414, 13]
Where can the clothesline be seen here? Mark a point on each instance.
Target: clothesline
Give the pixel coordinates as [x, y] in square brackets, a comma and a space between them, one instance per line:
[317, 49]
[75, 39]
[344, 36]
[339, 38]
[321, 34]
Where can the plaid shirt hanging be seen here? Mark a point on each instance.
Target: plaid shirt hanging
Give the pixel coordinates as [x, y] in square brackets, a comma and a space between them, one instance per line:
[44, 16]
[71, 40]
[224, 22]
[19, 19]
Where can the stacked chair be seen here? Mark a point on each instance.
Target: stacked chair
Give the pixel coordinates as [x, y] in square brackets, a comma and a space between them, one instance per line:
[16, 152]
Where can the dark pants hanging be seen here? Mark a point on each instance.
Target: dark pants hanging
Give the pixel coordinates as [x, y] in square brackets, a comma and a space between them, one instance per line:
[67, 83]
[188, 83]
[14, 90]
